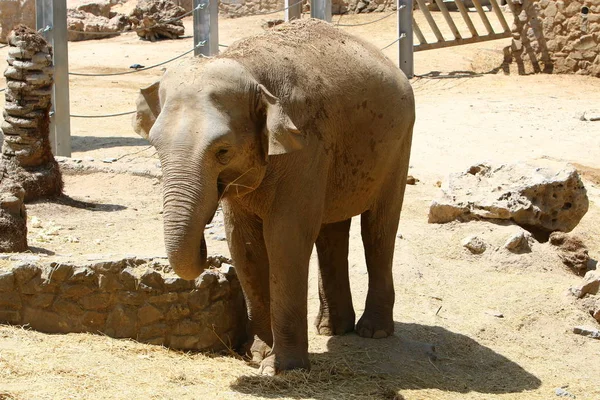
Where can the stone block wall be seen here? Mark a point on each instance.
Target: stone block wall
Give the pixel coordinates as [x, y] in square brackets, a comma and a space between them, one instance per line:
[239, 8]
[132, 298]
[558, 36]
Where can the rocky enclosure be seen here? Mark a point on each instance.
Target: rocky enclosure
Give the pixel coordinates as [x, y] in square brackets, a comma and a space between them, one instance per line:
[129, 298]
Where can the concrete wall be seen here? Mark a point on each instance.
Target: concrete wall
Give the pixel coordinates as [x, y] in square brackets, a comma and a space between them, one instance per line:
[130, 298]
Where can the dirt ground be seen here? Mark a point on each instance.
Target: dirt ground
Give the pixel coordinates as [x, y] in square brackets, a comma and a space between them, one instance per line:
[445, 296]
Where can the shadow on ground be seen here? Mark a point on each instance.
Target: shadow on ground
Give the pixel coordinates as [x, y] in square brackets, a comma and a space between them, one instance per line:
[417, 357]
[89, 143]
[84, 205]
[449, 75]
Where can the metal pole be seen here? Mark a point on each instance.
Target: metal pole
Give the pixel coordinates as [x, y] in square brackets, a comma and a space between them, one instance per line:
[206, 28]
[293, 9]
[320, 9]
[405, 35]
[51, 21]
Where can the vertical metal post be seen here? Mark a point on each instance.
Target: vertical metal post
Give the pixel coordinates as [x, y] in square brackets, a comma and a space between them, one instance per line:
[206, 28]
[405, 35]
[51, 20]
[293, 9]
[320, 9]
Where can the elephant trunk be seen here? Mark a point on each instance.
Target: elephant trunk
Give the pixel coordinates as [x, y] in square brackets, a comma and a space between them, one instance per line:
[190, 202]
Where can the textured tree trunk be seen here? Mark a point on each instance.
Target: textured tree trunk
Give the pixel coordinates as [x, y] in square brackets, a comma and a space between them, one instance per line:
[28, 170]
[26, 154]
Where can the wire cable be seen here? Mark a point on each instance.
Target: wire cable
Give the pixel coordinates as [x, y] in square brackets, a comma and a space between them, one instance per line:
[368, 23]
[137, 70]
[398, 39]
[102, 116]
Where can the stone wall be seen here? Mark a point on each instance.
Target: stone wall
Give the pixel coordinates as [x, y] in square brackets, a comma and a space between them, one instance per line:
[13, 12]
[239, 8]
[557, 36]
[130, 298]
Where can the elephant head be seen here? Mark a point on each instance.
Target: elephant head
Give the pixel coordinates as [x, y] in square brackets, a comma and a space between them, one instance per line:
[214, 127]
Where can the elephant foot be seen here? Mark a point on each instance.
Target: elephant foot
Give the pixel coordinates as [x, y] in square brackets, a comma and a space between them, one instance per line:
[331, 326]
[376, 328]
[274, 365]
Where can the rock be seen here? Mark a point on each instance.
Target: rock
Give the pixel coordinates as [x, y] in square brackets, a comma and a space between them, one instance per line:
[519, 242]
[590, 285]
[563, 393]
[26, 272]
[97, 8]
[589, 332]
[474, 244]
[7, 281]
[595, 311]
[121, 322]
[571, 250]
[149, 314]
[411, 180]
[84, 25]
[155, 19]
[542, 199]
[153, 279]
[272, 22]
[590, 116]
[94, 320]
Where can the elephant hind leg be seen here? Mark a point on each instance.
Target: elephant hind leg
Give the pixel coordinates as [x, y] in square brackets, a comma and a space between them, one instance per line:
[379, 227]
[336, 313]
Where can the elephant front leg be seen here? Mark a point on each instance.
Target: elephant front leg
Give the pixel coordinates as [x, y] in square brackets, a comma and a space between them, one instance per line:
[336, 313]
[289, 246]
[247, 247]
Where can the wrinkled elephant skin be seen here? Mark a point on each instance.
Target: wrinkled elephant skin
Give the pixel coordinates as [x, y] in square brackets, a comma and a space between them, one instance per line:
[294, 131]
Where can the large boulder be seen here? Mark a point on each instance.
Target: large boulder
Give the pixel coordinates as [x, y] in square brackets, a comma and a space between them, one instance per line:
[99, 8]
[541, 198]
[87, 26]
[157, 19]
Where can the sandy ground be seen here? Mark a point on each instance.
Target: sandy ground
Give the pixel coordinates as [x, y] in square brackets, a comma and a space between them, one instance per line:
[445, 296]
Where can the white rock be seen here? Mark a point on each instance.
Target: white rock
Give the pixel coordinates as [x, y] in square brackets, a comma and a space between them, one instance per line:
[518, 242]
[542, 198]
[475, 244]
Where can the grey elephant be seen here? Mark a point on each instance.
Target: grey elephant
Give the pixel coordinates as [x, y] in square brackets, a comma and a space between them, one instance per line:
[294, 131]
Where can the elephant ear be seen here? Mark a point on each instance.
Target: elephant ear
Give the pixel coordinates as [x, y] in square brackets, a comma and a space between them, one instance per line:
[147, 110]
[282, 135]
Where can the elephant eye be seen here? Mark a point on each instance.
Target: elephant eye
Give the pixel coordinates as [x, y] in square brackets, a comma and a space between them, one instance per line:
[223, 156]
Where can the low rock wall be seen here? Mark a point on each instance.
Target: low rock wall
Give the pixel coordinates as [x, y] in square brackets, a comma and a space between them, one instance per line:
[132, 298]
[239, 8]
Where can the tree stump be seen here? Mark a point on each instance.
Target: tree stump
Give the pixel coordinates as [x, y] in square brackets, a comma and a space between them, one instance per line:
[26, 154]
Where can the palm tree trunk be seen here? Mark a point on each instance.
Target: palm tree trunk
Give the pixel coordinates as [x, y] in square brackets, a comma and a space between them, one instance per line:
[26, 153]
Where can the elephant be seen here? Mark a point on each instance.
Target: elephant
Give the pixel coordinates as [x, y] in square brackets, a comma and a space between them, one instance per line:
[293, 131]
